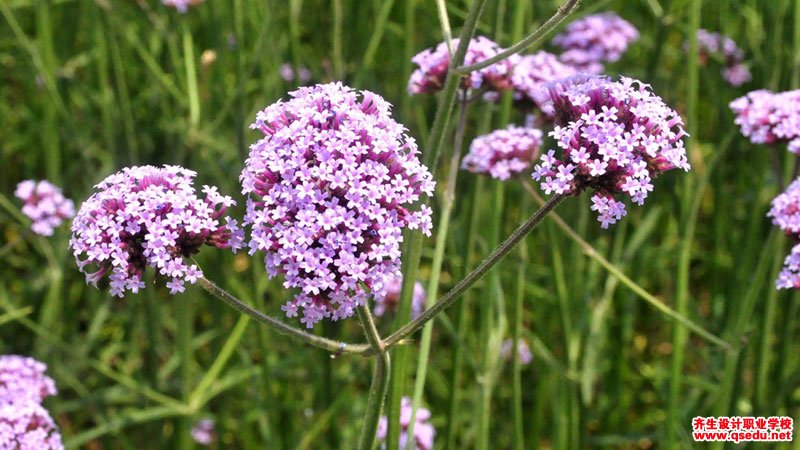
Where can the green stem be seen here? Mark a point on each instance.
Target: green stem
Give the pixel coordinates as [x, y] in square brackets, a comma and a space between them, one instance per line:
[191, 76]
[454, 294]
[689, 217]
[184, 341]
[414, 245]
[338, 17]
[516, 330]
[380, 381]
[493, 300]
[468, 253]
[563, 12]
[436, 265]
[444, 22]
[330, 345]
[451, 82]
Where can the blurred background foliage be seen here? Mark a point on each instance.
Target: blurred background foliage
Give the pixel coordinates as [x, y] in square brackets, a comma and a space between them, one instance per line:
[88, 87]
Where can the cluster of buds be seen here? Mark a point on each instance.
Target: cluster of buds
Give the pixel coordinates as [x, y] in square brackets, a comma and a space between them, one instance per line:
[503, 153]
[44, 204]
[593, 40]
[717, 46]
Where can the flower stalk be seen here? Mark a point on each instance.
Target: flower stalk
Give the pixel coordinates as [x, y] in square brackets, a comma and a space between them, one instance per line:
[380, 379]
[335, 347]
[563, 12]
[455, 293]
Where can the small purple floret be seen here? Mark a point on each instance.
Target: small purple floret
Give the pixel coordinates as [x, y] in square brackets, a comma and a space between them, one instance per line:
[523, 352]
[715, 45]
[330, 183]
[44, 204]
[181, 5]
[149, 216]
[390, 300]
[203, 432]
[593, 40]
[615, 138]
[424, 433]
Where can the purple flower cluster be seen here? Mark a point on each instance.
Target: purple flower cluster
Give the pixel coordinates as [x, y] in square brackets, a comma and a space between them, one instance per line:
[181, 5]
[389, 300]
[615, 137]
[718, 46]
[424, 433]
[287, 72]
[503, 153]
[595, 39]
[24, 423]
[767, 117]
[531, 75]
[27, 426]
[785, 213]
[789, 277]
[44, 204]
[434, 63]
[203, 432]
[331, 177]
[523, 352]
[149, 216]
[23, 378]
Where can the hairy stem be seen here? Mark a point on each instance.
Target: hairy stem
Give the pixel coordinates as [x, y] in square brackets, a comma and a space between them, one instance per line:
[454, 294]
[563, 12]
[380, 379]
[335, 347]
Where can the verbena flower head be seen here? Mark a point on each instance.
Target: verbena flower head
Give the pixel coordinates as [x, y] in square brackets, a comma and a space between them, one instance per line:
[768, 118]
[26, 425]
[203, 432]
[531, 75]
[789, 277]
[595, 39]
[389, 300]
[424, 433]
[614, 138]
[149, 216]
[331, 180]
[23, 378]
[44, 204]
[785, 211]
[716, 46]
[503, 153]
[523, 352]
[181, 5]
[433, 65]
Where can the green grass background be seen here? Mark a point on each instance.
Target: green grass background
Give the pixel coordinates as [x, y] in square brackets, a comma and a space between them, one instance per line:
[88, 87]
